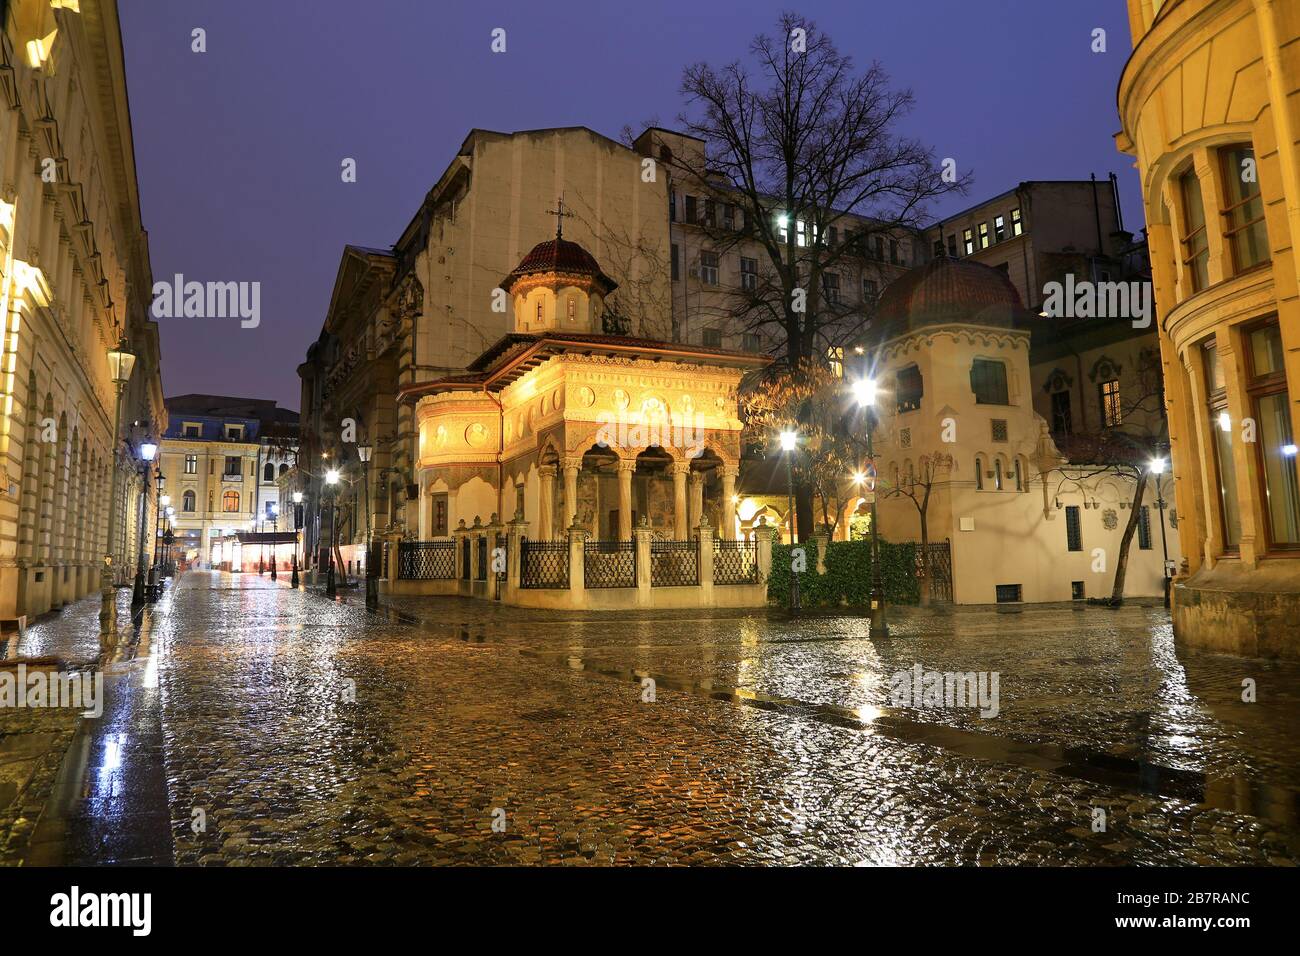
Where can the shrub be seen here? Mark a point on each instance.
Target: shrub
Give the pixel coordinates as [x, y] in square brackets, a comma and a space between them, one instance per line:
[847, 580]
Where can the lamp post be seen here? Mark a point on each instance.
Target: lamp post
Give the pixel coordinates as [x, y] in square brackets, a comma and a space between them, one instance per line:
[789, 440]
[864, 391]
[331, 483]
[168, 537]
[297, 529]
[364, 451]
[1158, 469]
[155, 568]
[275, 521]
[147, 452]
[120, 363]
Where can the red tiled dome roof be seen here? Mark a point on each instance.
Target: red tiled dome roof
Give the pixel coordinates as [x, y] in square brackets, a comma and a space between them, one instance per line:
[947, 290]
[559, 256]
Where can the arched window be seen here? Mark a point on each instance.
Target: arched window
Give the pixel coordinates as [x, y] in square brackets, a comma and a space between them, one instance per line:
[979, 474]
[230, 501]
[284, 467]
[268, 472]
[997, 474]
[1020, 478]
[187, 501]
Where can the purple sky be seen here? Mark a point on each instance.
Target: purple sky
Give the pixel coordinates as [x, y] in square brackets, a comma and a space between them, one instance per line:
[239, 149]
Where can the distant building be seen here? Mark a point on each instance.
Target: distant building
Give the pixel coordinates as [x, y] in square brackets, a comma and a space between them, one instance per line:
[221, 461]
[1208, 108]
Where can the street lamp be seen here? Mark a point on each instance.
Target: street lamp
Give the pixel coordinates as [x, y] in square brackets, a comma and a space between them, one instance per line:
[364, 451]
[1158, 469]
[275, 522]
[297, 528]
[147, 451]
[864, 391]
[789, 440]
[331, 483]
[155, 567]
[120, 363]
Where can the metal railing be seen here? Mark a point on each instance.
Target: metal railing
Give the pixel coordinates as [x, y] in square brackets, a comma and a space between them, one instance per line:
[464, 559]
[674, 563]
[426, 560]
[735, 562]
[543, 564]
[481, 572]
[609, 564]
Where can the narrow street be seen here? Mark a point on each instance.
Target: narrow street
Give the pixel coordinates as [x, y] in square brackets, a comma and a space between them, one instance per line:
[247, 723]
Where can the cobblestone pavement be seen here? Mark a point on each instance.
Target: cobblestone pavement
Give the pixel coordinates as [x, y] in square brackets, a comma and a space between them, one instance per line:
[303, 731]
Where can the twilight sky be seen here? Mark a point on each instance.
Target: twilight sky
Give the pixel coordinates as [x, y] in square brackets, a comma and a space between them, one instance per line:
[238, 149]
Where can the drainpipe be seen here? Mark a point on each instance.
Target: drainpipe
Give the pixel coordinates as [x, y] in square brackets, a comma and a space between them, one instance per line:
[1266, 15]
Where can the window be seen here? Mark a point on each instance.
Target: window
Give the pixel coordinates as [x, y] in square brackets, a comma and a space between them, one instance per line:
[880, 248]
[234, 433]
[997, 474]
[233, 469]
[284, 467]
[967, 241]
[571, 308]
[1020, 477]
[938, 248]
[908, 388]
[1077, 592]
[1061, 424]
[268, 472]
[1073, 531]
[952, 246]
[187, 501]
[751, 342]
[998, 427]
[1275, 449]
[1017, 227]
[1245, 230]
[270, 505]
[905, 438]
[979, 474]
[710, 213]
[690, 209]
[893, 252]
[869, 291]
[1111, 412]
[999, 228]
[748, 274]
[1144, 529]
[712, 338]
[191, 430]
[1221, 426]
[230, 502]
[191, 464]
[988, 380]
[440, 516]
[831, 287]
[729, 217]
[1008, 593]
[1196, 247]
[676, 268]
[541, 312]
[672, 205]
[835, 358]
[709, 267]
[984, 235]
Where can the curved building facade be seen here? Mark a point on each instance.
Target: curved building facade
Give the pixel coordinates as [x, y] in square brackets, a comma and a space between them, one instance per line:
[1210, 108]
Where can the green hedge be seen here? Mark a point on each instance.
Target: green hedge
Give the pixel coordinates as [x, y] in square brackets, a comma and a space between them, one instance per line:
[847, 580]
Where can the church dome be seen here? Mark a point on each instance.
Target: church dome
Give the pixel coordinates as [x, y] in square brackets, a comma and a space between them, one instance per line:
[944, 291]
[560, 257]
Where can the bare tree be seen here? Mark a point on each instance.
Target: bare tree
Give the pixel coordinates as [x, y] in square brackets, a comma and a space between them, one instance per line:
[917, 487]
[798, 142]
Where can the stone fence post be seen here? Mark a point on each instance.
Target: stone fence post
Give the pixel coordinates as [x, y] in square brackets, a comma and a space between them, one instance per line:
[641, 536]
[577, 564]
[704, 541]
[515, 533]
[764, 535]
[821, 539]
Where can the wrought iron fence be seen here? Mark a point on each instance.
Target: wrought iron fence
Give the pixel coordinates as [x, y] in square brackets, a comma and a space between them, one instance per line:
[609, 564]
[464, 558]
[940, 554]
[481, 574]
[735, 562]
[426, 560]
[544, 564]
[674, 563]
[501, 546]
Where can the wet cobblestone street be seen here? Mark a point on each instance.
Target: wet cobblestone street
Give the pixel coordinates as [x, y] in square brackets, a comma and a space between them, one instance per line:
[304, 731]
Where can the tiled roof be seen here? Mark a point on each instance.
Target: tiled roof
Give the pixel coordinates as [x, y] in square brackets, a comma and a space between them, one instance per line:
[947, 290]
[559, 255]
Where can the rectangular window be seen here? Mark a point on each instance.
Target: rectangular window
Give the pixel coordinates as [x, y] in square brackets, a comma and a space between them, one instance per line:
[710, 213]
[999, 228]
[952, 246]
[672, 205]
[751, 342]
[893, 251]
[1073, 530]
[968, 241]
[831, 287]
[908, 388]
[748, 274]
[233, 468]
[191, 465]
[835, 358]
[1245, 229]
[1196, 247]
[1061, 424]
[1144, 528]
[690, 209]
[1275, 449]
[1111, 412]
[191, 430]
[1008, 593]
[709, 268]
[1017, 227]
[999, 429]
[1221, 427]
[880, 248]
[984, 235]
[938, 248]
[1077, 591]
[988, 380]
[440, 516]
[869, 291]
[729, 217]
[712, 338]
[234, 433]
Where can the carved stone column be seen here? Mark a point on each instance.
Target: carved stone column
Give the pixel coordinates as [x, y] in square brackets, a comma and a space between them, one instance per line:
[697, 499]
[625, 469]
[680, 469]
[571, 468]
[729, 473]
[546, 503]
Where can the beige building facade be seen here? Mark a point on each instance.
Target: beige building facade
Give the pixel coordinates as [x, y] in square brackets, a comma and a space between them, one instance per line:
[74, 283]
[1210, 108]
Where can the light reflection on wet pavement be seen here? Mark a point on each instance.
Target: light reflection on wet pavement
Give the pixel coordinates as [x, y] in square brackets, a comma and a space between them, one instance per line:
[760, 746]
